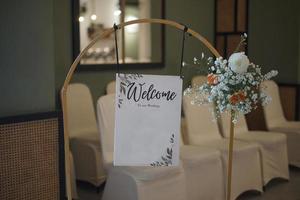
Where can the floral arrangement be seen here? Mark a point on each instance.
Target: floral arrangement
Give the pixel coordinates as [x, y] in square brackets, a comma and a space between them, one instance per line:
[232, 85]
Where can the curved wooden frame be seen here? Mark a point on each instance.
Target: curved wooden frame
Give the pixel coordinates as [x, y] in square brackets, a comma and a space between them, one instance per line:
[79, 57]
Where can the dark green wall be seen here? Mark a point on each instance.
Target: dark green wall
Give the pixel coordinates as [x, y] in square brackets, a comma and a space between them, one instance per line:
[274, 37]
[36, 41]
[298, 6]
[26, 57]
[62, 41]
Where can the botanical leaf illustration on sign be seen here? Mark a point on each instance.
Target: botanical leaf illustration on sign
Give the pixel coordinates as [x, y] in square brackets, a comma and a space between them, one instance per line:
[166, 159]
[126, 79]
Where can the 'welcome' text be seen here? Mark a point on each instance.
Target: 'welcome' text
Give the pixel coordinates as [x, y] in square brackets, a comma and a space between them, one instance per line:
[138, 92]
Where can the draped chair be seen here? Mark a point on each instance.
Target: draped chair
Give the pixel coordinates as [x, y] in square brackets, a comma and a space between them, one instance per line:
[198, 80]
[134, 183]
[84, 136]
[276, 121]
[203, 169]
[111, 87]
[202, 131]
[273, 147]
[73, 177]
[200, 163]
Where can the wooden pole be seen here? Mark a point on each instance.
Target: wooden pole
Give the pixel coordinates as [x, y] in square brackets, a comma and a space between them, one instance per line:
[74, 65]
[66, 146]
[230, 155]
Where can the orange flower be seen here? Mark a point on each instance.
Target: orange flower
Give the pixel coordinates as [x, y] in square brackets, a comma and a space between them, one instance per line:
[212, 79]
[242, 96]
[237, 97]
[234, 99]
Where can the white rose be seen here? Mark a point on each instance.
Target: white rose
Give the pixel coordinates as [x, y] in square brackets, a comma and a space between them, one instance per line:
[238, 62]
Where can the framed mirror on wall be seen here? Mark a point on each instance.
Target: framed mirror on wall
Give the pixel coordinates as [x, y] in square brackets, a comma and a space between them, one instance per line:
[139, 46]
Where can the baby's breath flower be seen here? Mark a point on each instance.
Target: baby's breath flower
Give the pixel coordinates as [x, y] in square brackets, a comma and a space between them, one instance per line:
[229, 88]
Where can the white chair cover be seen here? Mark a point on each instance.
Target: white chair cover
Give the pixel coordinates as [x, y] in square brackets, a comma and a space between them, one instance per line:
[203, 170]
[202, 166]
[199, 80]
[202, 131]
[201, 163]
[84, 136]
[277, 122]
[73, 178]
[134, 183]
[111, 87]
[273, 147]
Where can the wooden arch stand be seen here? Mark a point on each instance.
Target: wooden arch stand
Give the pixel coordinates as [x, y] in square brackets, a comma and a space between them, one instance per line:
[75, 64]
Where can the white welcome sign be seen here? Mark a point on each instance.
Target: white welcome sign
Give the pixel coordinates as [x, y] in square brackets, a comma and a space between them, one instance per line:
[147, 122]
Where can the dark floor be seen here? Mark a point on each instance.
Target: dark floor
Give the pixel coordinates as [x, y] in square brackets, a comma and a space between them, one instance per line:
[277, 189]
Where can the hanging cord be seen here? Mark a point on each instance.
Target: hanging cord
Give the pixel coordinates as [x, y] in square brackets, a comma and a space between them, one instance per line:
[182, 49]
[117, 50]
